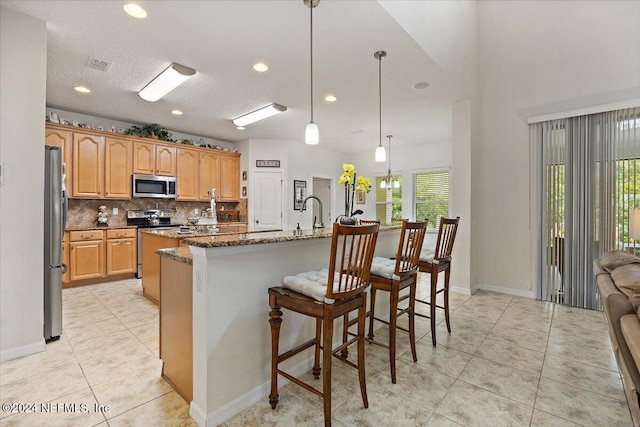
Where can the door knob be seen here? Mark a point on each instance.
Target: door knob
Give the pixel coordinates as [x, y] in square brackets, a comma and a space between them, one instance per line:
[257, 221]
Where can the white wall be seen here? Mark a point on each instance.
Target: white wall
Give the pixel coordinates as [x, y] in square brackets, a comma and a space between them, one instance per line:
[298, 161]
[535, 53]
[23, 57]
[446, 30]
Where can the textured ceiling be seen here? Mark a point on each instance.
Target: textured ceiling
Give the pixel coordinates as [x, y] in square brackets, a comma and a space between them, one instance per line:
[222, 40]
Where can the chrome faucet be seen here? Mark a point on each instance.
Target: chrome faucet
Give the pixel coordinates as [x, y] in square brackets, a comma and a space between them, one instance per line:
[319, 224]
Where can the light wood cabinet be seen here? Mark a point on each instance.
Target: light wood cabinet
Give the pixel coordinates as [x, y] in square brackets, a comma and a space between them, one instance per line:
[209, 166]
[165, 160]
[118, 159]
[187, 174]
[55, 137]
[151, 263]
[121, 251]
[154, 159]
[86, 255]
[229, 178]
[88, 166]
[144, 158]
[99, 165]
[176, 325]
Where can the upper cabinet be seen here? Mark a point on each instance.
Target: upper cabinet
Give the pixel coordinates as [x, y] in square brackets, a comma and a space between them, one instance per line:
[154, 159]
[88, 166]
[229, 178]
[165, 160]
[118, 159]
[209, 165]
[187, 174]
[55, 137]
[99, 165]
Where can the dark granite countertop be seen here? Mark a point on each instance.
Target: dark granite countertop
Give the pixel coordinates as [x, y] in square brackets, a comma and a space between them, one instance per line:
[182, 254]
[254, 238]
[200, 231]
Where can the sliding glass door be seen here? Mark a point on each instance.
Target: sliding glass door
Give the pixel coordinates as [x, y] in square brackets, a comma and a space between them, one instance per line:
[589, 181]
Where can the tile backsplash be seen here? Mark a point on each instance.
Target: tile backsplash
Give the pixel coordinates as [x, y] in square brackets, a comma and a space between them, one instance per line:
[84, 213]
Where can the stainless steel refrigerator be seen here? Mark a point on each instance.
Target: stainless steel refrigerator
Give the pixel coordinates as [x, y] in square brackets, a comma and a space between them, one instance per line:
[55, 219]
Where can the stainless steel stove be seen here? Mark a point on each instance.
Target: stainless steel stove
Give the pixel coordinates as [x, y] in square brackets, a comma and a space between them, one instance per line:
[145, 219]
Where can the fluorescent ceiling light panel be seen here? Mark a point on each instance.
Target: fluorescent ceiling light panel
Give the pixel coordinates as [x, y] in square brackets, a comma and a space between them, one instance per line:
[262, 113]
[167, 81]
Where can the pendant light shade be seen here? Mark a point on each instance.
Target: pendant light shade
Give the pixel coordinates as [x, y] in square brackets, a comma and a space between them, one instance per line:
[311, 134]
[380, 153]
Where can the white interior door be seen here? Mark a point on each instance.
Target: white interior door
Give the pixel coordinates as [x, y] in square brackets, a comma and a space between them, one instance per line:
[267, 199]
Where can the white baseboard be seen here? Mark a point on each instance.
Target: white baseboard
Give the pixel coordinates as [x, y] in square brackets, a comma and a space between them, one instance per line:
[25, 350]
[243, 402]
[197, 414]
[508, 291]
[463, 291]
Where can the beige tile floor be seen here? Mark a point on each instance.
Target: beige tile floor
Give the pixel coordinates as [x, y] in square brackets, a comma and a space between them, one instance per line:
[509, 361]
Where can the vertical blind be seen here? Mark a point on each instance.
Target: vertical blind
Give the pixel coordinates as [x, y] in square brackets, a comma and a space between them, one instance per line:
[589, 181]
[431, 197]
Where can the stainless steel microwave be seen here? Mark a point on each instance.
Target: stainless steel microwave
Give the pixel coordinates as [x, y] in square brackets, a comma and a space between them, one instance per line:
[157, 187]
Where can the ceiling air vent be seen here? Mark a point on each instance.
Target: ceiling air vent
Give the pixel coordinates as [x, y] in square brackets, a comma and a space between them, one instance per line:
[98, 64]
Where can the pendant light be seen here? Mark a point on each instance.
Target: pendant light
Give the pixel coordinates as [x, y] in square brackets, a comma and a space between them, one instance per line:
[380, 153]
[311, 134]
[389, 180]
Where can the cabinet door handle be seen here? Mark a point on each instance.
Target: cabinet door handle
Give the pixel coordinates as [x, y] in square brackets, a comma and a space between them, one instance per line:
[86, 237]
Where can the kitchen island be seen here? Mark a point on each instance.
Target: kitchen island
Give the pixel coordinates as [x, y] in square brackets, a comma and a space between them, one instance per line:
[154, 239]
[231, 341]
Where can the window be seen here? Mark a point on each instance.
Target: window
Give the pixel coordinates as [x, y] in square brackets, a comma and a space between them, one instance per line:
[388, 202]
[431, 196]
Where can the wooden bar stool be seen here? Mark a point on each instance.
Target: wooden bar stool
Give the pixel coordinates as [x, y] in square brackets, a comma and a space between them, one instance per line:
[394, 275]
[326, 295]
[433, 262]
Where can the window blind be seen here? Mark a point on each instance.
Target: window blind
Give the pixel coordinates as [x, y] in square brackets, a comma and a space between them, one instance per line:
[431, 196]
[590, 182]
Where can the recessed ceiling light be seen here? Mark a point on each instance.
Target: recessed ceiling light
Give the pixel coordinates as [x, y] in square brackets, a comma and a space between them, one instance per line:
[135, 10]
[330, 98]
[357, 131]
[260, 67]
[82, 89]
[421, 85]
[177, 112]
[240, 127]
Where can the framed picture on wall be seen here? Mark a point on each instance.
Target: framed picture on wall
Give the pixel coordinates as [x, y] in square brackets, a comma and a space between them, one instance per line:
[360, 198]
[299, 193]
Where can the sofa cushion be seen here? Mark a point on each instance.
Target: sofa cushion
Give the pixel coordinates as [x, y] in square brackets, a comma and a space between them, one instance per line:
[630, 326]
[627, 279]
[614, 259]
[635, 301]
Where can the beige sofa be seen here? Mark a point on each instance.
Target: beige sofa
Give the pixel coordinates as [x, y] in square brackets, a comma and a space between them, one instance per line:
[617, 294]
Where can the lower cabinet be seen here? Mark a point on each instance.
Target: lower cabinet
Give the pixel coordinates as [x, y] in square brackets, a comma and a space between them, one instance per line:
[96, 254]
[86, 255]
[121, 251]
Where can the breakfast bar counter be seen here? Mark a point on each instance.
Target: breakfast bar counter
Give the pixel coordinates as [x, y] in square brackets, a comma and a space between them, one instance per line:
[231, 338]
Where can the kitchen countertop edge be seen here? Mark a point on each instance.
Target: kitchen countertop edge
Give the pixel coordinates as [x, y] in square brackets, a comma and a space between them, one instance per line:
[271, 237]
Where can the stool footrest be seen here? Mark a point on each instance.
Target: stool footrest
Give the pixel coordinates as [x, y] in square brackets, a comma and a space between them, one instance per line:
[305, 345]
[300, 383]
